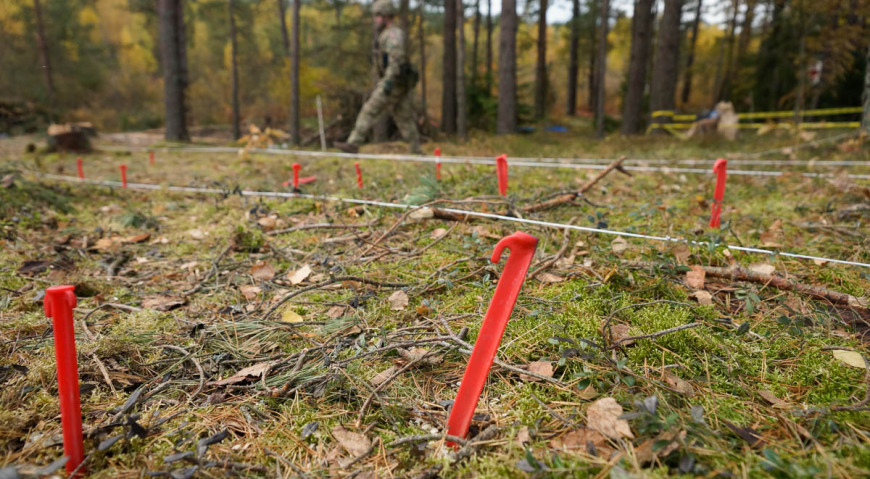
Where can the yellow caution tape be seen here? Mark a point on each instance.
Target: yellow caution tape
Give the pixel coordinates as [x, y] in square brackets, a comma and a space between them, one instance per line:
[765, 114]
[755, 126]
[789, 114]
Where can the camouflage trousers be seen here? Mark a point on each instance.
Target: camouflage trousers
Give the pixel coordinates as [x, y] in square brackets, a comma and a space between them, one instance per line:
[398, 103]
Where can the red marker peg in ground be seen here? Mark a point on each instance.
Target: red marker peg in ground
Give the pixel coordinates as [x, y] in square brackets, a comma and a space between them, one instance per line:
[501, 172]
[522, 247]
[59, 303]
[358, 175]
[123, 175]
[437, 163]
[720, 168]
[79, 168]
[151, 158]
[296, 168]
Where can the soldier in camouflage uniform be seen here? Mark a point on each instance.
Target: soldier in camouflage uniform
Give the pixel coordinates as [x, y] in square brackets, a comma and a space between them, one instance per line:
[393, 91]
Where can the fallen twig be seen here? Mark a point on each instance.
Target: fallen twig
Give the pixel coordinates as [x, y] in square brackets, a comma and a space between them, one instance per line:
[570, 197]
[778, 282]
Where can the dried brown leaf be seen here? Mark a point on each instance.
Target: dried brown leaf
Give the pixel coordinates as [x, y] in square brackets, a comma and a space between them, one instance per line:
[772, 399]
[585, 440]
[398, 300]
[695, 278]
[544, 368]
[682, 386]
[619, 245]
[300, 275]
[162, 303]
[262, 271]
[703, 297]
[353, 442]
[250, 292]
[603, 416]
[550, 278]
[249, 373]
[383, 375]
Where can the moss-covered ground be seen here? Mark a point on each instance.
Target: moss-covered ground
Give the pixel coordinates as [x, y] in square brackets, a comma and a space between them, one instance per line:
[177, 292]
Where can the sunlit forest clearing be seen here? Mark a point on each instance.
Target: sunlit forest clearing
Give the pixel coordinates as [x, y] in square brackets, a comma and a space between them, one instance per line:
[250, 301]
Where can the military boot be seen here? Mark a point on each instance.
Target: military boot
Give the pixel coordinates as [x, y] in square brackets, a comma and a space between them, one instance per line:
[346, 147]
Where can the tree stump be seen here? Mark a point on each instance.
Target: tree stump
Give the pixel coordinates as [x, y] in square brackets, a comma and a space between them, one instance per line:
[71, 137]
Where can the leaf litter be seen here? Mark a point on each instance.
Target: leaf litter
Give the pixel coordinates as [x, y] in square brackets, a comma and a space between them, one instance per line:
[250, 389]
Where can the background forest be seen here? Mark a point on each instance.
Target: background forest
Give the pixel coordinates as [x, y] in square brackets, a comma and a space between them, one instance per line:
[103, 60]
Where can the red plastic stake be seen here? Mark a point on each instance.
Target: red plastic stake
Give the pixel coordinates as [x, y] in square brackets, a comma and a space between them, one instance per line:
[720, 168]
[501, 172]
[522, 247]
[358, 175]
[151, 158]
[59, 303]
[437, 163]
[79, 167]
[296, 168]
[123, 176]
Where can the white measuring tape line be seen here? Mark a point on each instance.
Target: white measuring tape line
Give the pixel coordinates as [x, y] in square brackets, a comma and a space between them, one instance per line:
[280, 194]
[522, 162]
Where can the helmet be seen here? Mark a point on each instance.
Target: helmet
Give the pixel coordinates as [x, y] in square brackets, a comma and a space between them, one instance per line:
[383, 8]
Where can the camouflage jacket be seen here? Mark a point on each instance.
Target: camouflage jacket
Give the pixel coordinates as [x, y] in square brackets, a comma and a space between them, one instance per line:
[391, 53]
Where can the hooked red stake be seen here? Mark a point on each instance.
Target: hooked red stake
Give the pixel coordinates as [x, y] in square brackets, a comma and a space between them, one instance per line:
[358, 175]
[501, 172]
[59, 302]
[720, 168]
[151, 158]
[438, 163]
[296, 168]
[123, 175]
[79, 167]
[522, 247]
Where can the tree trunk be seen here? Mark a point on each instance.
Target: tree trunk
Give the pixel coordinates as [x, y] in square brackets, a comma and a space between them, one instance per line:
[461, 103]
[182, 59]
[801, 72]
[285, 37]
[507, 69]
[690, 57]
[422, 34]
[728, 79]
[475, 42]
[448, 80]
[405, 23]
[746, 30]
[638, 61]
[666, 68]
[865, 119]
[574, 60]
[42, 45]
[171, 46]
[295, 135]
[594, 10]
[541, 64]
[489, 46]
[237, 130]
[601, 65]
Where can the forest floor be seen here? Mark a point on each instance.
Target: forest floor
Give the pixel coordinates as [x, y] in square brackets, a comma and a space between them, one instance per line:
[232, 335]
